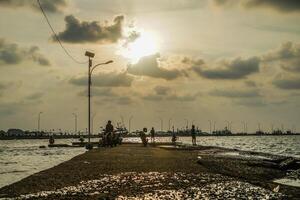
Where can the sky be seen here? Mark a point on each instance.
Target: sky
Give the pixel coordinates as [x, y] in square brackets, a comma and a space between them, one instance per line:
[201, 61]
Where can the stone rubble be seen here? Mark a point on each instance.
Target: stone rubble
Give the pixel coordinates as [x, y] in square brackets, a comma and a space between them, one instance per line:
[155, 185]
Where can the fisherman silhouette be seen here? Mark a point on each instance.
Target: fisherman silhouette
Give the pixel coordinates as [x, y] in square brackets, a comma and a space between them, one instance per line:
[152, 132]
[193, 133]
[109, 134]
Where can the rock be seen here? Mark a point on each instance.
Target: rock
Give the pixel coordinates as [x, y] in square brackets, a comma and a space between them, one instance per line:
[288, 163]
[276, 189]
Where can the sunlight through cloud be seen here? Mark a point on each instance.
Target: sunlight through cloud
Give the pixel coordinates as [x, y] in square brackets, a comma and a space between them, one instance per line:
[144, 45]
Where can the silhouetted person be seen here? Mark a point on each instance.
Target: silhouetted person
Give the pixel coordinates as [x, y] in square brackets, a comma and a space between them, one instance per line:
[109, 133]
[51, 140]
[193, 133]
[152, 133]
[81, 139]
[144, 137]
[174, 137]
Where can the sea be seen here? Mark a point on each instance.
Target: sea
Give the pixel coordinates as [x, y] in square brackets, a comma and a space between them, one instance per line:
[22, 158]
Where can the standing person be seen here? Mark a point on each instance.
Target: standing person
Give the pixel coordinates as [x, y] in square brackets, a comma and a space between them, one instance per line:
[152, 132]
[193, 133]
[109, 131]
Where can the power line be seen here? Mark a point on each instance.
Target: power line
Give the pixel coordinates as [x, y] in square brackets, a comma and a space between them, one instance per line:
[56, 37]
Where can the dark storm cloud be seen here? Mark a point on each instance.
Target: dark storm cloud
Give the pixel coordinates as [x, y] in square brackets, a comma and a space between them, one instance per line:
[234, 93]
[9, 86]
[149, 66]
[251, 102]
[34, 54]
[153, 97]
[146, 6]
[13, 108]
[236, 69]
[279, 5]
[99, 92]
[7, 109]
[35, 96]
[82, 31]
[124, 100]
[287, 83]
[52, 6]
[4, 86]
[183, 97]
[188, 60]
[162, 90]
[165, 93]
[120, 100]
[11, 53]
[250, 83]
[288, 54]
[111, 79]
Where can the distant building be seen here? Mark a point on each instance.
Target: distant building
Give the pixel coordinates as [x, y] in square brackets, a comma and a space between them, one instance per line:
[2, 133]
[15, 132]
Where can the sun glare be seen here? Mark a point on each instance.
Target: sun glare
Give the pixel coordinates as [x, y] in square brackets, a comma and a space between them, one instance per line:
[146, 44]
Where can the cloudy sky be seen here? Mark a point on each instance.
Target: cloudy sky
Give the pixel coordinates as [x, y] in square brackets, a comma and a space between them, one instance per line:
[199, 60]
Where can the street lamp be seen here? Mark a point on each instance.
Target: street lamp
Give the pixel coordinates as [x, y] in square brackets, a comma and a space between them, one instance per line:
[75, 116]
[161, 124]
[39, 121]
[187, 123]
[122, 120]
[170, 124]
[244, 124]
[129, 124]
[92, 124]
[215, 126]
[229, 124]
[91, 68]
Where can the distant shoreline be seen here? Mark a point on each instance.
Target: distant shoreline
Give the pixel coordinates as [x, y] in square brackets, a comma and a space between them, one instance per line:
[97, 136]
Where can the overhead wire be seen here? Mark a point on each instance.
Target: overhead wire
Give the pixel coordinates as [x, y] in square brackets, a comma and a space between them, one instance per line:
[56, 36]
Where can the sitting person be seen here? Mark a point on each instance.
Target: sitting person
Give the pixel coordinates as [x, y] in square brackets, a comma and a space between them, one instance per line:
[144, 137]
[174, 138]
[51, 140]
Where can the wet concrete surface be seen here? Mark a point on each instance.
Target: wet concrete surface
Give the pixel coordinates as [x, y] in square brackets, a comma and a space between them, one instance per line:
[136, 172]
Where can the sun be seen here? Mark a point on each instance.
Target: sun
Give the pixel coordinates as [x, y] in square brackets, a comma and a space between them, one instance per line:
[146, 44]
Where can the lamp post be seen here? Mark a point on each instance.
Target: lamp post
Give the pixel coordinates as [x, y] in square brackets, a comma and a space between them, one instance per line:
[229, 125]
[244, 125]
[161, 124]
[215, 126]
[91, 68]
[75, 116]
[39, 121]
[92, 124]
[122, 120]
[170, 124]
[129, 124]
[187, 124]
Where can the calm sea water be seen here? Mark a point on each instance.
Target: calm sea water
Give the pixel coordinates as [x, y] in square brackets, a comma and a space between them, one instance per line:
[21, 158]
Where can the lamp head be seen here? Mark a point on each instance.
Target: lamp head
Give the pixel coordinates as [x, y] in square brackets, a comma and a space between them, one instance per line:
[108, 62]
[89, 54]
